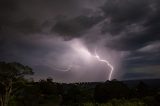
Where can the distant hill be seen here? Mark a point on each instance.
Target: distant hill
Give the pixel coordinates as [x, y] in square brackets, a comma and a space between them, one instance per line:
[153, 83]
[150, 82]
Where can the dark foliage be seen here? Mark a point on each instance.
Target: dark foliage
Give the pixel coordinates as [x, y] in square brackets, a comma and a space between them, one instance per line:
[46, 93]
[49, 93]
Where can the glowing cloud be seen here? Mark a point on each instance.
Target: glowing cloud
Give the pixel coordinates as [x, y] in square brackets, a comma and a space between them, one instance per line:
[81, 50]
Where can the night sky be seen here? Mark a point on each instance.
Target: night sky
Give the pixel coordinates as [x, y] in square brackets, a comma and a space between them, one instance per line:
[58, 38]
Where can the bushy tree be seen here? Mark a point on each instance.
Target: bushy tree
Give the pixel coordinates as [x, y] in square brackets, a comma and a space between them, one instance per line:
[10, 73]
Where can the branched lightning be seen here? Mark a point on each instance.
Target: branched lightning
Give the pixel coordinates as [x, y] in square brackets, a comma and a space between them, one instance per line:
[106, 62]
[85, 54]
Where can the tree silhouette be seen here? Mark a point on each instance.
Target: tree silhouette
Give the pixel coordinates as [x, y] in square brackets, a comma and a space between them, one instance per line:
[10, 73]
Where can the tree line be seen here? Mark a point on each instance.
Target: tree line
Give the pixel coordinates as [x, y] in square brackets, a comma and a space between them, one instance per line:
[15, 90]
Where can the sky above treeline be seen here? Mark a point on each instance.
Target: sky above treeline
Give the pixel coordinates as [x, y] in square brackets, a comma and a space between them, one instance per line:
[59, 38]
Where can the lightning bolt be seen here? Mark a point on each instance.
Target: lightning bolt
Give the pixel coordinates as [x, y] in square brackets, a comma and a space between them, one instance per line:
[106, 62]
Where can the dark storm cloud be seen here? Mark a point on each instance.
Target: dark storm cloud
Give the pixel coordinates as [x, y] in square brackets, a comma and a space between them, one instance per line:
[135, 21]
[126, 11]
[21, 20]
[133, 75]
[77, 26]
[134, 26]
[125, 16]
[141, 59]
[26, 33]
[29, 30]
[29, 16]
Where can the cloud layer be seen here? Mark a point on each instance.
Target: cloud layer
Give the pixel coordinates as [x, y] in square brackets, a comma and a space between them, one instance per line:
[41, 34]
